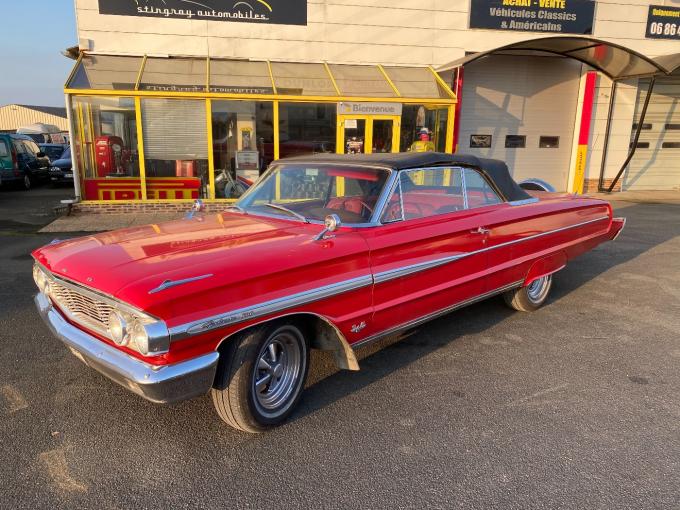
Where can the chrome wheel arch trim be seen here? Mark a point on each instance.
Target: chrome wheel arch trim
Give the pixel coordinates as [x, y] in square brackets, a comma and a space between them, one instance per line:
[342, 350]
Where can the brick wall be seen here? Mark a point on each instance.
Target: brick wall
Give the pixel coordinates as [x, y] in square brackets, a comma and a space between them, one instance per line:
[590, 185]
[142, 207]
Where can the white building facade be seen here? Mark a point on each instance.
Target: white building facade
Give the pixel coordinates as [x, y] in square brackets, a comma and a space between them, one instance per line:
[525, 109]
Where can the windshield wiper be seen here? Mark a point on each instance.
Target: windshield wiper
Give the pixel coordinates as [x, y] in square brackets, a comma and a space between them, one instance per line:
[285, 209]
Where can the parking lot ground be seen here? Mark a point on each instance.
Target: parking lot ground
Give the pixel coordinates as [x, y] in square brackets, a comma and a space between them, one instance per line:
[574, 406]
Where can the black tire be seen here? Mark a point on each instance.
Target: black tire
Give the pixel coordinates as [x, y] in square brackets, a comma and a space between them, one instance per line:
[235, 396]
[26, 182]
[530, 297]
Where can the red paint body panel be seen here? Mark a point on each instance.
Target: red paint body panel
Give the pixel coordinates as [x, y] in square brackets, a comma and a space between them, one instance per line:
[255, 259]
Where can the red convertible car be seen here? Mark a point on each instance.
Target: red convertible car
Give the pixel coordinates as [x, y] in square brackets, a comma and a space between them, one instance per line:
[323, 252]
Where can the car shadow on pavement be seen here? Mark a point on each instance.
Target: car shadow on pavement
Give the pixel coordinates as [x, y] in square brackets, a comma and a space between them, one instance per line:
[642, 233]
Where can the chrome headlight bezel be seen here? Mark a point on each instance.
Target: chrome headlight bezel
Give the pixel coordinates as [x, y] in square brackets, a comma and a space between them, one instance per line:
[153, 336]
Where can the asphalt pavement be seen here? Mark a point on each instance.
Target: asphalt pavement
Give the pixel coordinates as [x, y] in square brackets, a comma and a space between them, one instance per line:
[574, 406]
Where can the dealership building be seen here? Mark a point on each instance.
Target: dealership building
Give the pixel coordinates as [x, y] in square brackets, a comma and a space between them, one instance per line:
[173, 100]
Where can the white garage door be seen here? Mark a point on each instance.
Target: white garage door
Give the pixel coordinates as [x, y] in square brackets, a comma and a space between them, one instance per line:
[656, 163]
[527, 106]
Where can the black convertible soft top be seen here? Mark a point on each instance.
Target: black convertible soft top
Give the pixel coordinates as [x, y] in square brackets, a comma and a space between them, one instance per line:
[495, 170]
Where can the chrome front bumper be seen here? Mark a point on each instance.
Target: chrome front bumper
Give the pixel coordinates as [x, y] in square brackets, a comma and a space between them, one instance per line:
[162, 384]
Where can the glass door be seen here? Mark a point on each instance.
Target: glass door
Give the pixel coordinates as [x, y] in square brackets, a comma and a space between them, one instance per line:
[353, 135]
[365, 134]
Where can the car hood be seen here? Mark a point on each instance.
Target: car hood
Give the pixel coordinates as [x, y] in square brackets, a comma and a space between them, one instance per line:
[62, 163]
[143, 257]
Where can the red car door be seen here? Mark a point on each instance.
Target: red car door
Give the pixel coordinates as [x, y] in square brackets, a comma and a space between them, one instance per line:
[428, 255]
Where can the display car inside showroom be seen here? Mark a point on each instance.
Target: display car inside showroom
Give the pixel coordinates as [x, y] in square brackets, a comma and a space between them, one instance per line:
[170, 100]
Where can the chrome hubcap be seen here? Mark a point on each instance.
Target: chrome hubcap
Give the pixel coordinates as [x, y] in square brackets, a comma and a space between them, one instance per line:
[538, 289]
[278, 371]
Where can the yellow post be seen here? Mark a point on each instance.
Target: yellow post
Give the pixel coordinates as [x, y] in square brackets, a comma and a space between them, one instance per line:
[90, 129]
[396, 134]
[449, 129]
[368, 136]
[211, 156]
[275, 120]
[140, 145]
[81, 134]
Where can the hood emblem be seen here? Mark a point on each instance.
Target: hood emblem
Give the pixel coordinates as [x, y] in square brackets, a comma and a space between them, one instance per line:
[166, 284]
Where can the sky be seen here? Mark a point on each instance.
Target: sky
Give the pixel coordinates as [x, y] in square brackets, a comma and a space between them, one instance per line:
[32, 36]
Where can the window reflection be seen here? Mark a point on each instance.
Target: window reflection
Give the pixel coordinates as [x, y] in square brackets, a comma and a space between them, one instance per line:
[105, 147]
[306, 128]
[243, 144]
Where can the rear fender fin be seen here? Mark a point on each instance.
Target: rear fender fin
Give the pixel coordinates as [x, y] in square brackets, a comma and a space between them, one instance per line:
[546, 266]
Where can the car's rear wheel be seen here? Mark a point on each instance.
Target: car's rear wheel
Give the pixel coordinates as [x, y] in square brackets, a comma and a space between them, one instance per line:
[27, 182]
[530, 297]
[261, 376]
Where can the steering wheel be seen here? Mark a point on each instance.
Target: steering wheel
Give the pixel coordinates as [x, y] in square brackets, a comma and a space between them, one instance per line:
[368, 207]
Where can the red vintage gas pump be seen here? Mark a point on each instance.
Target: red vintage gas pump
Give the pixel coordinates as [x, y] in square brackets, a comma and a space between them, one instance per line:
[111, 156]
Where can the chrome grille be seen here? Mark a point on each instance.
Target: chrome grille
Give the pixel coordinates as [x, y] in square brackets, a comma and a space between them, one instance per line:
[90, 312]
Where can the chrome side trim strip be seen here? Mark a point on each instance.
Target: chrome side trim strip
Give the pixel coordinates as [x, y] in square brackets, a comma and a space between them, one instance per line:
[425, 318]
[167, 284]
[524, 201]
[277, 305]
[268, 307]
[399, 272]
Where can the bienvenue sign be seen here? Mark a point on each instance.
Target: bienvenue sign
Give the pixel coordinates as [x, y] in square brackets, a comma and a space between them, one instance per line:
[558, 16]
[354, 108]
[281, 12]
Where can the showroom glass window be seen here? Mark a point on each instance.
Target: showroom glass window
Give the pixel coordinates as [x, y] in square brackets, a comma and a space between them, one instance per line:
[105, 146]
[243, 143]
[307, 128]
[414, 118]
[175, 149]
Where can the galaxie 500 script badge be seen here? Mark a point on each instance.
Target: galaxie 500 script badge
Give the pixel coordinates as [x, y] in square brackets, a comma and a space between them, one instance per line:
[560, 16]
[282, 12]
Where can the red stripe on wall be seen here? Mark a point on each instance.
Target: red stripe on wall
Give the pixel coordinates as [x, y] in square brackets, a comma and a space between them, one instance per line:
[587, 110]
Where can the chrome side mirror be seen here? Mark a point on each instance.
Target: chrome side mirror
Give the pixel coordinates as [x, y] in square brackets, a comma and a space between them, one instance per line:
[331, 223]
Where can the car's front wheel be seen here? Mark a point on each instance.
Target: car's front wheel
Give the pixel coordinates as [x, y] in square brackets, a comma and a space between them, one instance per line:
[27, 182]
[261, 376]
[530, 297]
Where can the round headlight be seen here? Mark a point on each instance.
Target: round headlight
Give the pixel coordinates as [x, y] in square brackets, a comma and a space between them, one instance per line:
[118, 328]
[140, 337]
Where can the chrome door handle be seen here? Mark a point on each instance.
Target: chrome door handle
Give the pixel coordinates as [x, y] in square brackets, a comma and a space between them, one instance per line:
[480, 230]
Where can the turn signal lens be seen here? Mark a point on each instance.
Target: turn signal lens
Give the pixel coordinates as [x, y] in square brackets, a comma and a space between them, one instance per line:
[118, 329]
[40, 278]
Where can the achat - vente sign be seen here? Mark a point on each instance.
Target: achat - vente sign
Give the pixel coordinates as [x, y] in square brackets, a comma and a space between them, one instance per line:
[281, 12]
[559, 16]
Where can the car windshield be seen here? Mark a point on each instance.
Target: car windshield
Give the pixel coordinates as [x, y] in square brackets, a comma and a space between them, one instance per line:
[312, 192]
[53, 152]
[67, 153]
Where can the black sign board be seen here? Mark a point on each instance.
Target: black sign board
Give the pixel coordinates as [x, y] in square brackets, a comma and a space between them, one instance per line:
[558, 16]
[663, 22]
[281, 12]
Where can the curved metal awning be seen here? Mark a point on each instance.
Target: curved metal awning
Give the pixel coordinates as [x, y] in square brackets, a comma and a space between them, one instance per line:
[615, 61]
